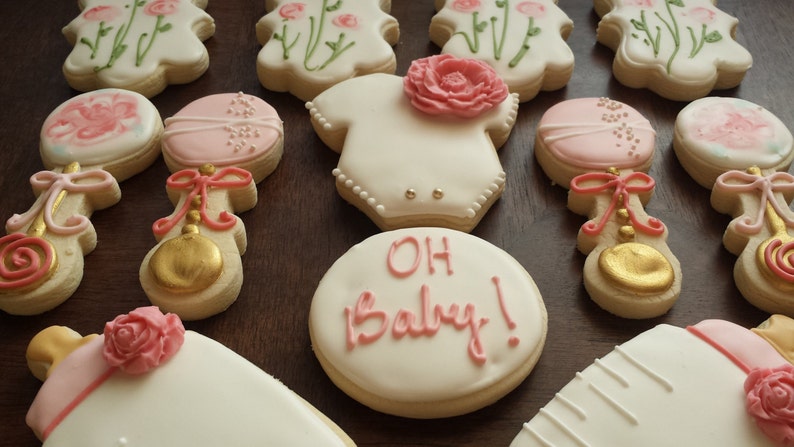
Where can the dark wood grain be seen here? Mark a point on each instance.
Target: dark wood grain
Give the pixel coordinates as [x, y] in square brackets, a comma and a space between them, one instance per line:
[301, 225]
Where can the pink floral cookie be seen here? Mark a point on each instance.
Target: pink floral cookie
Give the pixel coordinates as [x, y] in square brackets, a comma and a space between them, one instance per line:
[161, 372]
[89, 143]
[139, 45]
[742, 152]
[310, 45]
[679, 49]
[420, 149]
[711, 384]
[599, 149]
[218, 147]
[427, 322]
[523, 41]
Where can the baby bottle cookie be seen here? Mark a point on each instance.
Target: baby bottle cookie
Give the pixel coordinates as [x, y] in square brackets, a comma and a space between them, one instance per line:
[679, 49]
[412, 152]
[600, 148]
[311, 45]
[89, 143]
[742, 152]
[218, 147]
[139, 45]
[523, 41]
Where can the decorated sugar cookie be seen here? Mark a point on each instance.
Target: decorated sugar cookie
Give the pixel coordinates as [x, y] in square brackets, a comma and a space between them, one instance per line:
[427, 322]
[680, 49]
[420, 149]
[89, 143]
[742, 152]
[218, 147]
[309, 46]
[139, 45]
[711, 384]
[523, 40]
[153, 383]
[600, 149]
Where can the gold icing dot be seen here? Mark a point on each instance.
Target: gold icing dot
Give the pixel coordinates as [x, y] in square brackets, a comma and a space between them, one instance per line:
[410, 193]
[623, 214]
[636, 267]
[193, 216]
[185, 264]
[207, 169]
[196, 202]
[438, 193]
[626, 233]
[190, 229]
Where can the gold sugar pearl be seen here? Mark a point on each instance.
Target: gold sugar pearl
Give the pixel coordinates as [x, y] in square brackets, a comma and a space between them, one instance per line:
[438, 193]
[410, 193]
[207, 169]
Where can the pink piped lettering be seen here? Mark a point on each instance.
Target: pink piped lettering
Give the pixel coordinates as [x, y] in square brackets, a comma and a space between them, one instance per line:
[359, 315]
[404, 273]
[432, 256]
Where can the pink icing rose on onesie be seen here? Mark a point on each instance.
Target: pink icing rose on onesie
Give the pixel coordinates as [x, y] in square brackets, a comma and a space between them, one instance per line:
[770, 400]
[102, 13]
[142, 339]
[531, 9]
[466, 5]
[99, 117]
[292, 11]
[161, 7]
[349, 21]
[447, 85]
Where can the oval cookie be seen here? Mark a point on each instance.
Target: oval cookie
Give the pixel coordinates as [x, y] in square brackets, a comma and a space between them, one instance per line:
[427, 322]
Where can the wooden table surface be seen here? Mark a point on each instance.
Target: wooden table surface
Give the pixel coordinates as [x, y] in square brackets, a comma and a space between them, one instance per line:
[301, 225]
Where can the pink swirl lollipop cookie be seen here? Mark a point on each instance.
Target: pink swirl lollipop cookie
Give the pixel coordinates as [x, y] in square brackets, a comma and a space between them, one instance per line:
[310, 45]
[600, 148]
[419, 150]
[742, 152]
[218, 147]
[89, 143]
[139, 45]
[524, 41]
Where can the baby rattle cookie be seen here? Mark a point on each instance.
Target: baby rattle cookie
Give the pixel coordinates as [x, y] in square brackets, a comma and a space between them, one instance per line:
[523, 41]
[218, 147]
[742, 151]
[89, 143]
[147, 379]
[139, 45]
[419, 150]
[679, 49]
[600, 149]
[427, 322]
[672, 386]
[311, 45]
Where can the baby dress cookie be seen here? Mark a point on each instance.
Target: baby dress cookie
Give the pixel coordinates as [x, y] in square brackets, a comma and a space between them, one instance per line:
[139, 45]
[419, 150]
[150, 382]
[679, 49]
[600, 149]
[311, 45]
[742, 152]
[523, 41]
[427, 322]
[711, 384]
[218, 147]
[89, 143]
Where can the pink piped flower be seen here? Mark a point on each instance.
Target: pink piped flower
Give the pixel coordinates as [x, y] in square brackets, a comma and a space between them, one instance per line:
[770, 401]
[466, 5]
[142, 339]
[102, 13]
[531, 9]
[161, 7]
[96, 118]
[702, 15]
[292, 11]
[447, 85]
[349, 21]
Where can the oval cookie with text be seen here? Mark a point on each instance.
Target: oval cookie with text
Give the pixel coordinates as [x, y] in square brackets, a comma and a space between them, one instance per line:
[427, 322]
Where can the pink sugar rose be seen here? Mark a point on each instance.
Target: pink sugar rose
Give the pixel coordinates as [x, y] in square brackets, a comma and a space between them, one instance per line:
[102, 13]
[161, 7]
[702, 15]
[447, 85]
[531, 9]
[99, 117]
[142, 339]
[770, 400]
[346, 21]
[292, 11]
[466, 5]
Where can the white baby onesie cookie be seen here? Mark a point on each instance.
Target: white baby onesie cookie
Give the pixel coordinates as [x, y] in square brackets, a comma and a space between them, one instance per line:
[524, 41]
[139, 45]
[419, 150]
